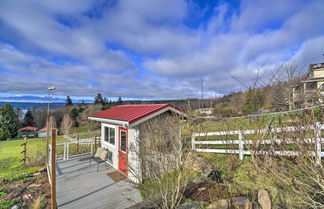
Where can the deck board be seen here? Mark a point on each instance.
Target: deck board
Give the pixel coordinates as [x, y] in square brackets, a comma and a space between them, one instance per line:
[79, 185]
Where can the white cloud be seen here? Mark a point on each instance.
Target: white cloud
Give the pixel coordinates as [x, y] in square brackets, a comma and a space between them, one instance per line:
[109, 51]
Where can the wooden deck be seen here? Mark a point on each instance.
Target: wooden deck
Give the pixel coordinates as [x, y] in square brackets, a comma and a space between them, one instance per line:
[81, 186]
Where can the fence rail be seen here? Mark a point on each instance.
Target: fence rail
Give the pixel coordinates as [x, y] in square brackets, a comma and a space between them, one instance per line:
[317, 140]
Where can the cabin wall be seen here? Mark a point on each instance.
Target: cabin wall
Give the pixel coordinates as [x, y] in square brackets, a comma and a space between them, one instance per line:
[133, 150]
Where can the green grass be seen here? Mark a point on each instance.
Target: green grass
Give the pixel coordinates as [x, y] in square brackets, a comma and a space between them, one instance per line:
[10, 157]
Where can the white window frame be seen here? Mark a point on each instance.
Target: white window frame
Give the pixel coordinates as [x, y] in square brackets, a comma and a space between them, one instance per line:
[121, 141]
[103, 135]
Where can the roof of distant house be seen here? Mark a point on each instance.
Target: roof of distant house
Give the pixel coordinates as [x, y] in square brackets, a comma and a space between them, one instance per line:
[133, 113]
[29, 128]
[42, 129]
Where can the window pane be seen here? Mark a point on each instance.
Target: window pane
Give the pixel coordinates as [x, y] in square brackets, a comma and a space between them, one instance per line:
[111, 135]
[123, 141]
[106, 134]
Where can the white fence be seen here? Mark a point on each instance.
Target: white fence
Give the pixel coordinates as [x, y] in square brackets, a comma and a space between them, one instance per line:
[317, 140]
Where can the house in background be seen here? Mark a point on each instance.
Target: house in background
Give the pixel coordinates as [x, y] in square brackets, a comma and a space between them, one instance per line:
[311, 90]
[43, 131]
[120, 127]
[29, 131]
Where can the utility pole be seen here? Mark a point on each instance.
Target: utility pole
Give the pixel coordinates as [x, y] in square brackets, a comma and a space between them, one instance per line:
[202, 92]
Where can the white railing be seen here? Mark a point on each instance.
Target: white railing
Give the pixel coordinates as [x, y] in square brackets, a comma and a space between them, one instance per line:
[89, 142]
[317, 140]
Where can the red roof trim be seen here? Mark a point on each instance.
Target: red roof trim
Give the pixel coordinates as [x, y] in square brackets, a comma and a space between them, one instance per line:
[131, 113]
[29, 128]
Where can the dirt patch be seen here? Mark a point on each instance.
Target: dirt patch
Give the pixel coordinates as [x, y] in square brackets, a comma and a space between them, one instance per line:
[25, 191]
[207, 192]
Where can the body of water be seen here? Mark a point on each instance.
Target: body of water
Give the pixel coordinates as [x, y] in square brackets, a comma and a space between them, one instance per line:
[30, 105]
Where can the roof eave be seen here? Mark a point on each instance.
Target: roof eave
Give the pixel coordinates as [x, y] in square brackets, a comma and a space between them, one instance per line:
[106, 120]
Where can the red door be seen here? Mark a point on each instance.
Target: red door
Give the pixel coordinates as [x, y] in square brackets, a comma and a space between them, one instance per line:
[123, 150]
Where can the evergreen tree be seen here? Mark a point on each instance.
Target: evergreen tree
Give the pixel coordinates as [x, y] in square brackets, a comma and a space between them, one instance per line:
[119, 101]
[278, 99]
[9, 122]
[254, 101]
[28, 119]
[98, 99]
[259, 100]
[68, 101]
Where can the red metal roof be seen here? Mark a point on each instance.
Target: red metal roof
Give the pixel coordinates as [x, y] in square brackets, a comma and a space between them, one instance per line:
[29, 128]
[42, 129]
[131, 113]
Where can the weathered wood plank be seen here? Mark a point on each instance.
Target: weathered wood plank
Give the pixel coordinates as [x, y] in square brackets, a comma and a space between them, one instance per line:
[79, 185]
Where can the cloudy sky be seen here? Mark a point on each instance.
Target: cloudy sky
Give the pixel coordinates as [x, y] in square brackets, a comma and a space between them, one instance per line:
[152, 49]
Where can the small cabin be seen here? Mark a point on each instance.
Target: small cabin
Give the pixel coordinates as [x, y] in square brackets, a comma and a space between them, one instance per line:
[121, 127]
[28, 131]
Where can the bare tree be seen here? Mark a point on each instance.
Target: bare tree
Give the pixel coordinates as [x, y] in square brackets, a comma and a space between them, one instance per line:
[51, 123]
[301, 172]
[83, 117]
[66, 124]
[161, 155]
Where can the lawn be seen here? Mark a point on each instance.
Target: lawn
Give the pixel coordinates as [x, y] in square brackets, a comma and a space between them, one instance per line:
[11, 158]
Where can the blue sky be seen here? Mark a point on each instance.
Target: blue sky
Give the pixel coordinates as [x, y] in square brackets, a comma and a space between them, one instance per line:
[152, 49]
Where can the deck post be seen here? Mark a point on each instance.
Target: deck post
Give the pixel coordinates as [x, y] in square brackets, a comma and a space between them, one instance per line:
[318, 145]
[241, 145]
[53, 169]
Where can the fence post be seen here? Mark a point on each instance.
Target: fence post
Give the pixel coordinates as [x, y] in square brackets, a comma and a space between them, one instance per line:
[193, 145]
[91, 145]
[53, 169]
[64, 151]
[318, 145]
[67, 150]
[78, 144]
[24, 151]
[241, 145]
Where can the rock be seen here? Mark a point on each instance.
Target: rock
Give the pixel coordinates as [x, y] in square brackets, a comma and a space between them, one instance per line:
[15, 207]
[264, 199]
[200, 164]
[242, 203]
[195, 181]
[202, 189]
[189, 206]
[27, 196]
[219, 204]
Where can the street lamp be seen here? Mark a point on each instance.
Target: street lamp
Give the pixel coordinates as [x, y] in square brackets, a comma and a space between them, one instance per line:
[51, 88]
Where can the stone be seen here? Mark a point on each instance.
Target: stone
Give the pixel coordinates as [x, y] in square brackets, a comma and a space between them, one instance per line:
[264, 199]
[27, 196]
[219, 204]
[242, 203]
[198, 163]
[202, 189]
[15, 207]
[189, 206]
